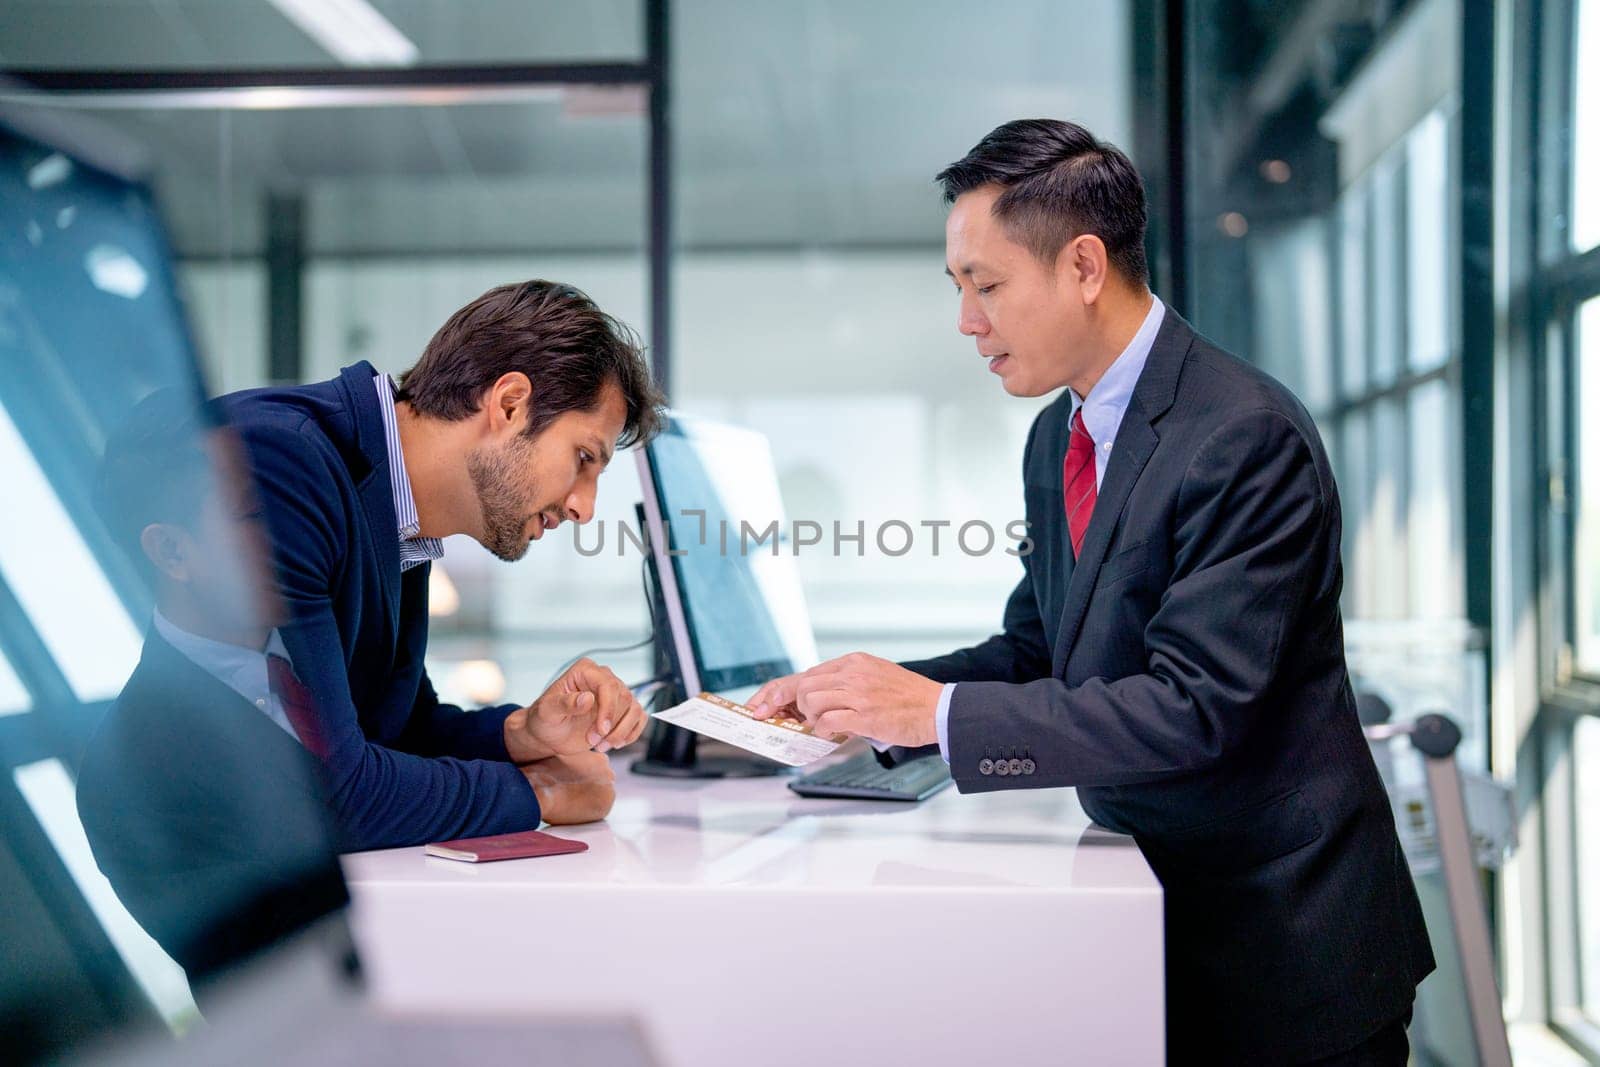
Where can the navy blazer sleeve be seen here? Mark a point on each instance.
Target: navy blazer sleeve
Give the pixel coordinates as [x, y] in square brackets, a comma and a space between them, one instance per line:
[1251, 512]
[439, 729]
[1019, 652]
[383, 797]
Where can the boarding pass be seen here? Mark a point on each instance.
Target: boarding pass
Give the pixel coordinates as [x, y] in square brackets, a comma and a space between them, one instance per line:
[782, 739]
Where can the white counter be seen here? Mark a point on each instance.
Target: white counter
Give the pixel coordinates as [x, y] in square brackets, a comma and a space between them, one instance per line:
[742, 923]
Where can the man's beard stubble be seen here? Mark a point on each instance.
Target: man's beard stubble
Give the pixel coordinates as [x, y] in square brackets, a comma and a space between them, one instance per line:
[494, 478]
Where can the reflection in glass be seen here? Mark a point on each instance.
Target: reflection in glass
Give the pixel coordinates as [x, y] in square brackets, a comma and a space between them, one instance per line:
[162, 820]
[200, 803]
[1586, 563]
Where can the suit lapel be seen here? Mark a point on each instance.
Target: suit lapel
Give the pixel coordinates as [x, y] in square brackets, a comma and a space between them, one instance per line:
[225, 719]
[1136, 442]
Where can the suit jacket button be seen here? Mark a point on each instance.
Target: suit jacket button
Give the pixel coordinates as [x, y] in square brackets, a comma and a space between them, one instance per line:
[1016, 766]
[1027, 766]
[986, 766]
[1002, 767]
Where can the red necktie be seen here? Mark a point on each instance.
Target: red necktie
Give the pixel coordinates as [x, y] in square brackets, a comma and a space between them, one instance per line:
[297, 705]
[1077, 474]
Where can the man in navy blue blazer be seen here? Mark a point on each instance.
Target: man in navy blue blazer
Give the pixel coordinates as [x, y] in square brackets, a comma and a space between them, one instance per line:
[1174, 648]
[499, 432]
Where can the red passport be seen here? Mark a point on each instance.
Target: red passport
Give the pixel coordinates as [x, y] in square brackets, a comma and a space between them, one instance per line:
[505, 847]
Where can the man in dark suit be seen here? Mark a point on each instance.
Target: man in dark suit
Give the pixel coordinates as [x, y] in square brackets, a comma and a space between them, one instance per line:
[1174, 648]
[200, 805]
[499, 432]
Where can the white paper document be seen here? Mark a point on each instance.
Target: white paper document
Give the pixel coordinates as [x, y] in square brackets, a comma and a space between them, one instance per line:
[784, 740]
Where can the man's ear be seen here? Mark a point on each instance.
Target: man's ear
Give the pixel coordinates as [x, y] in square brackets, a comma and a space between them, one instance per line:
[1083, 260]
[508, 402]
[168, 548]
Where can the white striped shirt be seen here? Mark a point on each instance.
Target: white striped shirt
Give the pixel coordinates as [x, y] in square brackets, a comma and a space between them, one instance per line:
[413, 549]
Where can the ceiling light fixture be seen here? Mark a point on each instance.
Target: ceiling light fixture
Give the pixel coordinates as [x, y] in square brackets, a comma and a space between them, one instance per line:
[352, 31]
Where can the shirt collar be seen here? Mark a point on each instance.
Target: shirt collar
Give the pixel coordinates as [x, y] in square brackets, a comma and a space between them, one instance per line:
[1106, 403]
[244, 670]
[413, 549]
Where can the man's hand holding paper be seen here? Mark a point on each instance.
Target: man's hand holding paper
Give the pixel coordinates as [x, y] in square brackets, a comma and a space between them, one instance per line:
[588, 707]
[783, 738]
[857, 695]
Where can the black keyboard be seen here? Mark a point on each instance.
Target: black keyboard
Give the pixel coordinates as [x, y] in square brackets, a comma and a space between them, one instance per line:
[862, 778]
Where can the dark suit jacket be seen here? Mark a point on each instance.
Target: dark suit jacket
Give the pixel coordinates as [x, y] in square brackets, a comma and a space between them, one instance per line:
[403, 768]
[207, 819]
[1188, 676]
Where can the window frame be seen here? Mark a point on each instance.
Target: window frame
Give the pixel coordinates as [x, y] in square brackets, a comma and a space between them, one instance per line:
[1560, 281]
[1354, 407]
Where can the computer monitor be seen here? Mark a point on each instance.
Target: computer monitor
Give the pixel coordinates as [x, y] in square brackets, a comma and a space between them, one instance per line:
[730, 609]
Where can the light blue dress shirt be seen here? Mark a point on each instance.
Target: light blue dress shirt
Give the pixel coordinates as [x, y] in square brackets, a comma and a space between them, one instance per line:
[1103, 409]
[413, 549]
[243, 670]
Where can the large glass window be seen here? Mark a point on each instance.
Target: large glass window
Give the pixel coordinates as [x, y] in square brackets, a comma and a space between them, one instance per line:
[1385, 259]
[1428, 244]
[1586, 542]
[1434, 546]
[1326, 217]
[1396, 268]
[1324, 248]
[1586, 127]
[1586, 778]
[1355, 328]
[1564, 325]
[1586, 775]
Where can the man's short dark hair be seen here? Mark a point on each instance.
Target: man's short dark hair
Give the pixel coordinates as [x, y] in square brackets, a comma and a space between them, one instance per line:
[569, 349]
[1060, 182]
[156, 468]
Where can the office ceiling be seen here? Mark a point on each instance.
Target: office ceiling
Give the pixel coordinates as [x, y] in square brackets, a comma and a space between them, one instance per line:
[816, 124]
